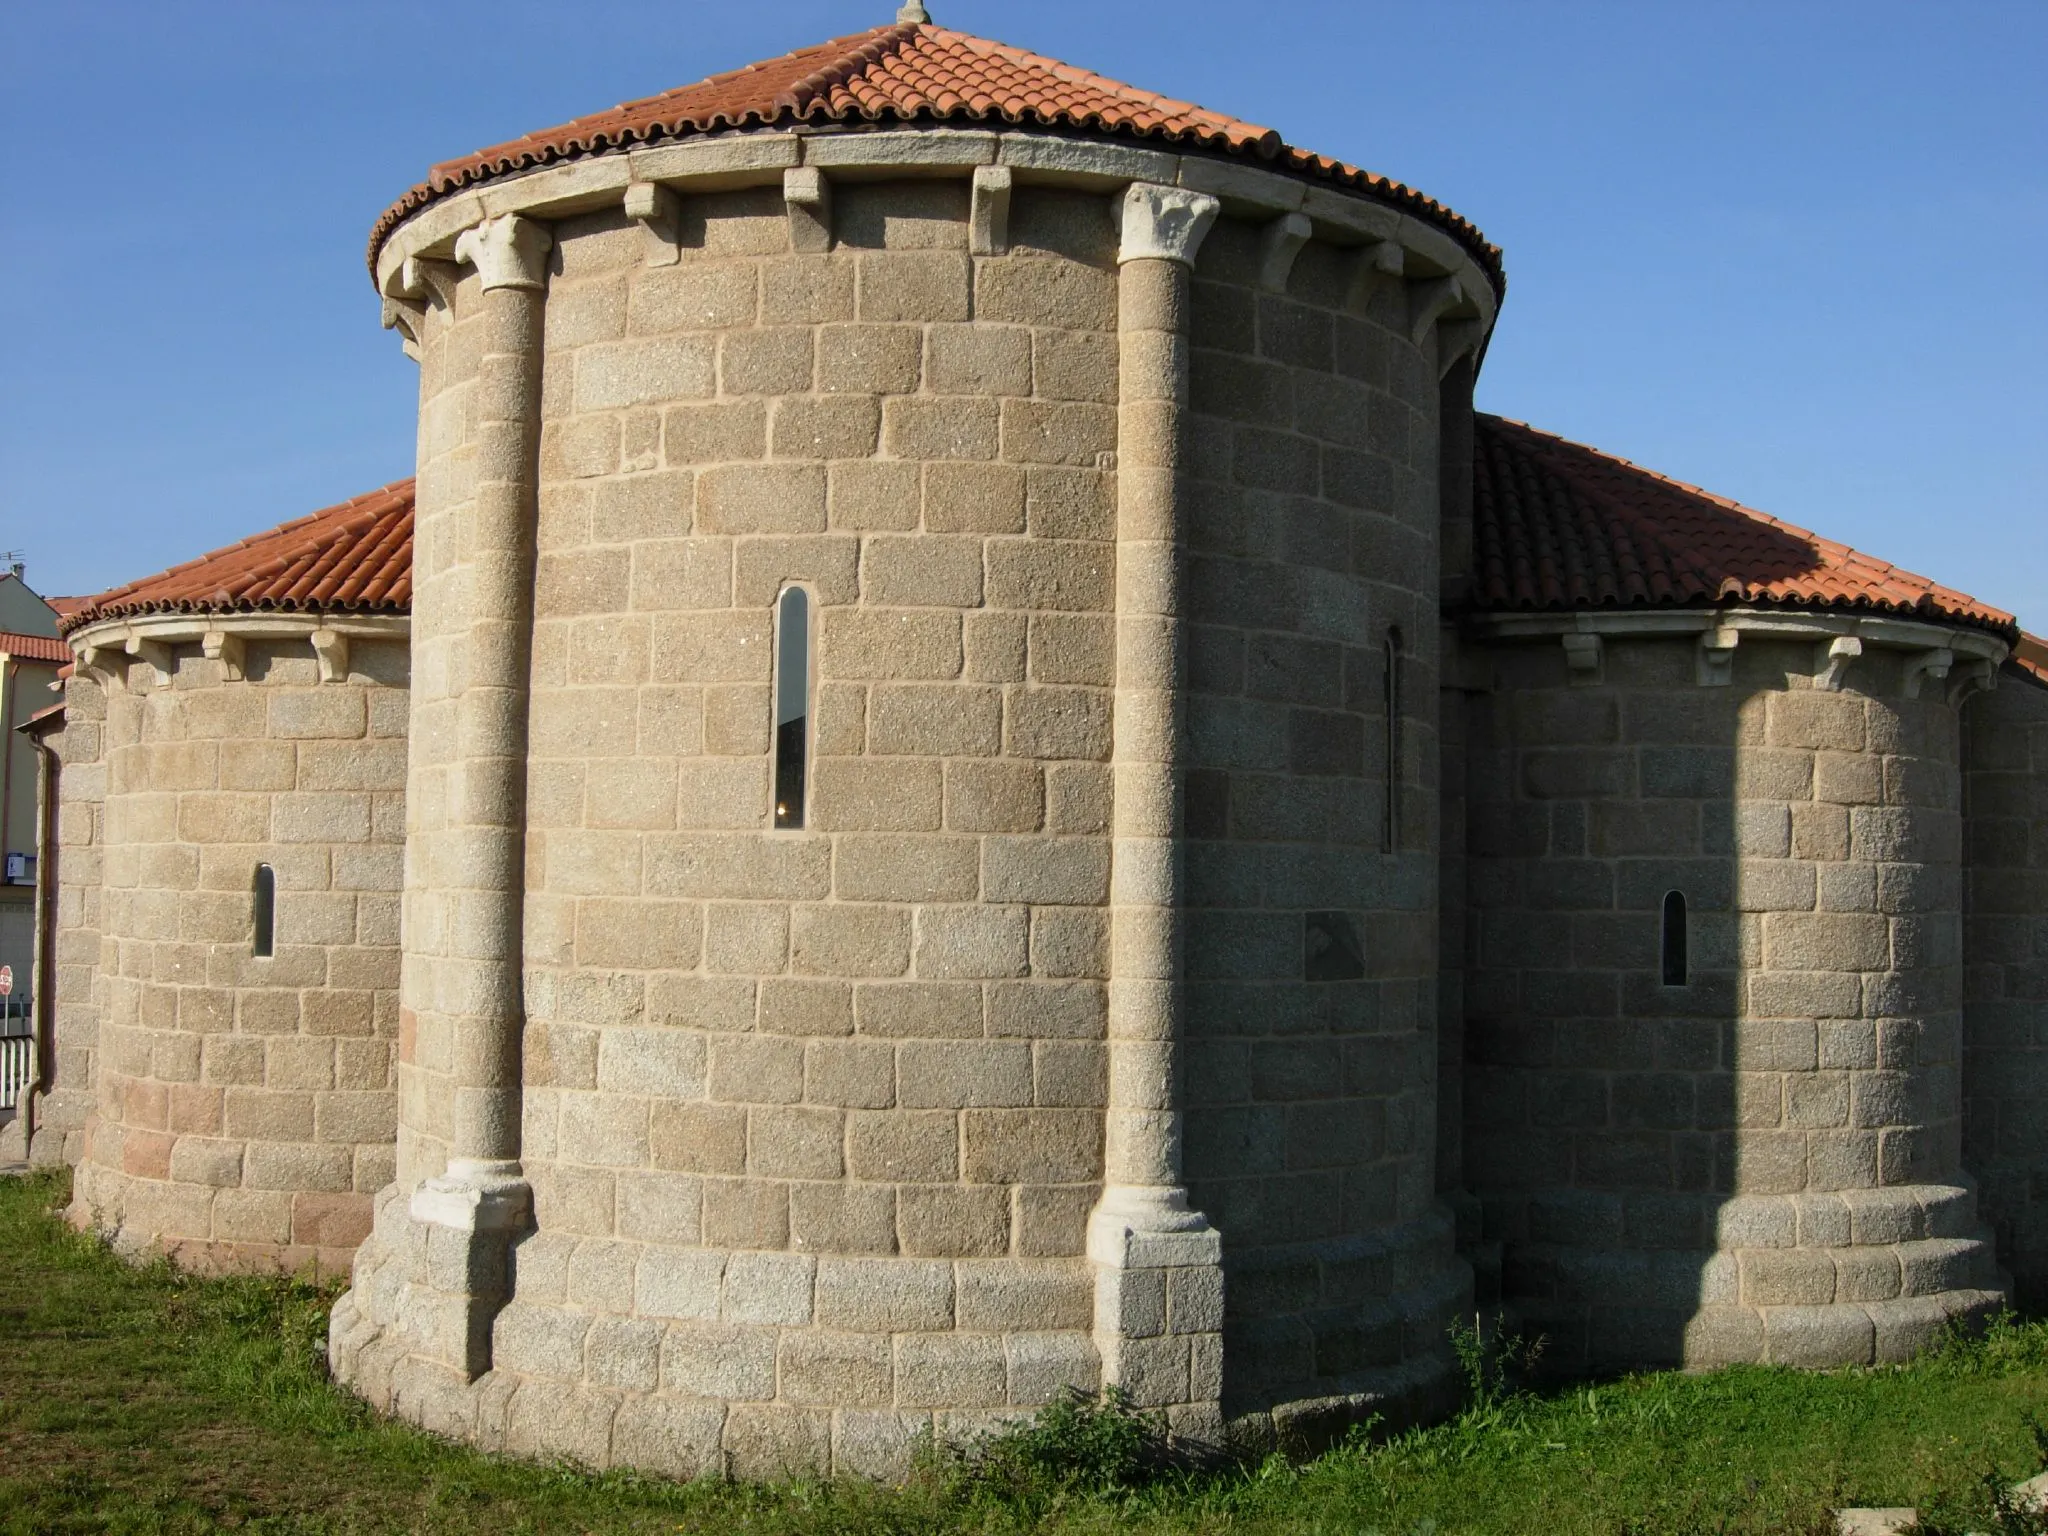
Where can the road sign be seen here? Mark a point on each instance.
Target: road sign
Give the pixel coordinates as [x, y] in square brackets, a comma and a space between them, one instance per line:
[6, 980]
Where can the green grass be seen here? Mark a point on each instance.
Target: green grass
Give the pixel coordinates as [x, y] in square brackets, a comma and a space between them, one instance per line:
[143, 1401]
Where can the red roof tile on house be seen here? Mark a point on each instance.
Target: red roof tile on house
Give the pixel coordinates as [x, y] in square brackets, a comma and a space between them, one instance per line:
[33, 647]
[920, 73]
[355, 557]
[1560, 526]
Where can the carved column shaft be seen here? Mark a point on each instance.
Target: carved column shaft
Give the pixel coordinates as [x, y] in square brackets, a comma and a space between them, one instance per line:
[487, 785]
[1159, 1291]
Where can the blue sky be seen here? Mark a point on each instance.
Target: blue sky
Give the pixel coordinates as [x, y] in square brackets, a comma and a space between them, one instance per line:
[1792, 252]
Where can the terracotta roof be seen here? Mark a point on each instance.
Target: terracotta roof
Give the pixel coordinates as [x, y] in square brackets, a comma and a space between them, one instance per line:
[353, 557]
[1561, 526]
[917, 73]
[63, 605]
[2030, 655]
[33, 647]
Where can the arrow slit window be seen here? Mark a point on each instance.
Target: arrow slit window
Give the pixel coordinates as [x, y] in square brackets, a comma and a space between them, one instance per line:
[1674, 945]
[1390, 820]
[263, 898]
[792, 704]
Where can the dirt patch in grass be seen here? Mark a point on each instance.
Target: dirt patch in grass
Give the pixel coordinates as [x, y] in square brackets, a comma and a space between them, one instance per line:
[143, 1401]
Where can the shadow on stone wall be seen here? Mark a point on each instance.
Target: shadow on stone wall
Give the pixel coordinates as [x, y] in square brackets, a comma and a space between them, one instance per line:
[1760, 1160]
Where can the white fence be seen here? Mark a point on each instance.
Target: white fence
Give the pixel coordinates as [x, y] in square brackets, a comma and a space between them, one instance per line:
[17, 1069]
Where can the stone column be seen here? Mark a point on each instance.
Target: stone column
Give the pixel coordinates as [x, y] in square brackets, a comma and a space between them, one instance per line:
[1158, 1264]
[482, 1198]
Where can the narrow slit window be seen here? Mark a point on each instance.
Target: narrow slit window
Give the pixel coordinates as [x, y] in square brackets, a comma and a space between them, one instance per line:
[792, 704]
[1674, 939]
[263, 898]
[1390, 818]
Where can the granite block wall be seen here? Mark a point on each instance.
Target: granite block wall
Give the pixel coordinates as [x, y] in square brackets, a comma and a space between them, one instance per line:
[244, 1103]
[2005, 943]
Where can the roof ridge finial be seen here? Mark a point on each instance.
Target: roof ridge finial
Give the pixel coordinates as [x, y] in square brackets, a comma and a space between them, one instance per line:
[912, 13]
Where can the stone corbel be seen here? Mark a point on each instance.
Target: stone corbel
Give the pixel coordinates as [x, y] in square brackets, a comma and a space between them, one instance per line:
[105, 659]
[408, 319]
[1979, 675]
[1832, 659]
[1380, 263]
[807, 195]
[1428, 301]
[1279, 247]
[331, 651]
[1583, 658]
[1935, 662]
[1455, 338]
[507, 252]
[1715, 666]
[988, 216]
[428, 282]
[1163, 223]
[154, 654]
[228, 650]
[658, 212]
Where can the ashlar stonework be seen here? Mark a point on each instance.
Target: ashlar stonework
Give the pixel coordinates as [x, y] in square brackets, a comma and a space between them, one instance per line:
[1003, 790]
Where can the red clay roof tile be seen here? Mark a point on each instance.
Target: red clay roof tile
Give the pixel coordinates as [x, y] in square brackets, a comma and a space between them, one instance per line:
[354, 557]
[33, 647]
[915, 72]
[1561, 526]
[2030, 655]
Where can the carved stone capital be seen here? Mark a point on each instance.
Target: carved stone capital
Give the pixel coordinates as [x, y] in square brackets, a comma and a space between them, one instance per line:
[1163, 223]
[507, 252]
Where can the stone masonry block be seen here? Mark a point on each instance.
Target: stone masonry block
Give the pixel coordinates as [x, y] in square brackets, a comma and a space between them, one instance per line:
[944, 1221]
[951, 1371]
[735, 1363]
[835, 1369]
[884, 1295]
[935, 1074]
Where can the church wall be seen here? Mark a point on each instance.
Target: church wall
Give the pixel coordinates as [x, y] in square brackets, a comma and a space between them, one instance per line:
[813, 1118]
[1312, 824]
[2005, 1008]
[1761, 1163]
[244, 1106]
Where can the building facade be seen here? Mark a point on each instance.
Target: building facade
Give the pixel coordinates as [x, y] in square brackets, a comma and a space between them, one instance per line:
[1005, 789]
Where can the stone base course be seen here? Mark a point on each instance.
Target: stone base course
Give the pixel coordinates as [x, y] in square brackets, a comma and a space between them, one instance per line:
[683, 1363]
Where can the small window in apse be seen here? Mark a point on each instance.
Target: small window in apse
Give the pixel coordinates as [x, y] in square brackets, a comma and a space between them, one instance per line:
[264, 900]
[1390, 821]
[792, 704]
[1674, 939]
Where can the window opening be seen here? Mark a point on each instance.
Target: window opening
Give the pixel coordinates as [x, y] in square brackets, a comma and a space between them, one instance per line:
[1674, 939]
[264, 899]
[1390, 819]
[792, 704]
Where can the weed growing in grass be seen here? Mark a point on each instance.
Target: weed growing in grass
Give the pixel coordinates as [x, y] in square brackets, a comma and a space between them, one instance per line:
[1080, 1446]
[1498, 1364]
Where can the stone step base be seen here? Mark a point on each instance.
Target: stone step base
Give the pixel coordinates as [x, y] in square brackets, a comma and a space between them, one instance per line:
[1847, 1333]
